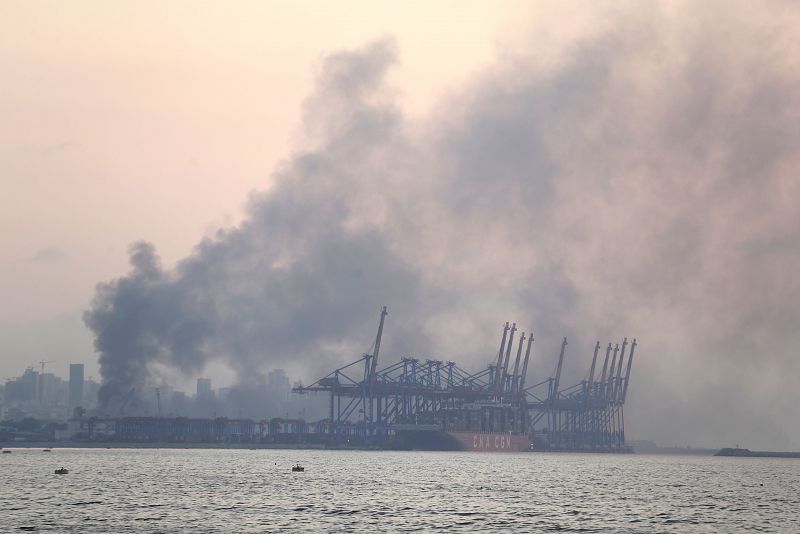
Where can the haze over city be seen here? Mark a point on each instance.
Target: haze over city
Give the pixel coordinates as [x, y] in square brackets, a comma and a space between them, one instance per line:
[193, 190]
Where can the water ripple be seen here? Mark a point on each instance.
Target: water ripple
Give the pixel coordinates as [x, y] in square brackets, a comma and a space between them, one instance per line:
[191, 490]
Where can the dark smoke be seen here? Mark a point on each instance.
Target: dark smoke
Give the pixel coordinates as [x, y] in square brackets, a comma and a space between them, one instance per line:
[299, 281]
[644, 185]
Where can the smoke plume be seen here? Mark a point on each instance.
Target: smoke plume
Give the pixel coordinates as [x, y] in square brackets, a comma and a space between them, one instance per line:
[643, 184]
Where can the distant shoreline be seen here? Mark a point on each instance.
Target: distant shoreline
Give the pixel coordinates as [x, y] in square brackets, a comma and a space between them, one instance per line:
[267, 446]
[165, 445]
[680, 451]
[53, 445]
[747, 453]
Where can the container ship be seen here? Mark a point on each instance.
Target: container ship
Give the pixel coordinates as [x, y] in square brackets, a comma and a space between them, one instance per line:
[491, 442]
[438, 440]
[488, 426]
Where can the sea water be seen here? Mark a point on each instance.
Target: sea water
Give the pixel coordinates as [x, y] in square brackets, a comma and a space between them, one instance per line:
[206, 490]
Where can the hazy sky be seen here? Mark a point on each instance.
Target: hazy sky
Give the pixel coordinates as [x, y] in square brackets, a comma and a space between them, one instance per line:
[627, 169]
[154, 120]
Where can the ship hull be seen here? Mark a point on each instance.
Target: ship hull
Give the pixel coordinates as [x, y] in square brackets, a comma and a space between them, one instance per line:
[490, 441]
[433, 440]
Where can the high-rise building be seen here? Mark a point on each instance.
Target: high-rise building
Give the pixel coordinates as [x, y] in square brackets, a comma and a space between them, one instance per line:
[203, 388]
[48, 389]
[75, 385]
[30, 384]
[90, 389]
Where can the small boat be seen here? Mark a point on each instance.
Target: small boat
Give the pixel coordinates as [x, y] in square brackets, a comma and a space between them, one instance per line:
[62, 471]
[47, 450]
[6, 451]
[298, 469]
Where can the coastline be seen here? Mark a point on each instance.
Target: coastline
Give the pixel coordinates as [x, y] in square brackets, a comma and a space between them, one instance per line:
[747, 453]
[54, 445]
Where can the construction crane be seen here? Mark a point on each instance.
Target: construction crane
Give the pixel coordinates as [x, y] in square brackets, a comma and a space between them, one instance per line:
[158, 401]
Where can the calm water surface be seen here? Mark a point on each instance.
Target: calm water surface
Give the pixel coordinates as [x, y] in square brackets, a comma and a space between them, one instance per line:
[175, 490]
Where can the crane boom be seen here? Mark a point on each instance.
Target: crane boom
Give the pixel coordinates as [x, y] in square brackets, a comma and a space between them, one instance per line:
[558, 369]
[618, 382]
[501, 375]
[515, 376]
[374, 365]
[525, 366]
[591, 370]
[628, 371]
[500, 355]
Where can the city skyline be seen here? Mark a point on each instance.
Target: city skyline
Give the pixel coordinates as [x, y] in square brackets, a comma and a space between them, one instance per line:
[50, 396]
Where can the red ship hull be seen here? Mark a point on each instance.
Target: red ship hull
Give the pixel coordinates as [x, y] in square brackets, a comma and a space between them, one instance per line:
[491, 441]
